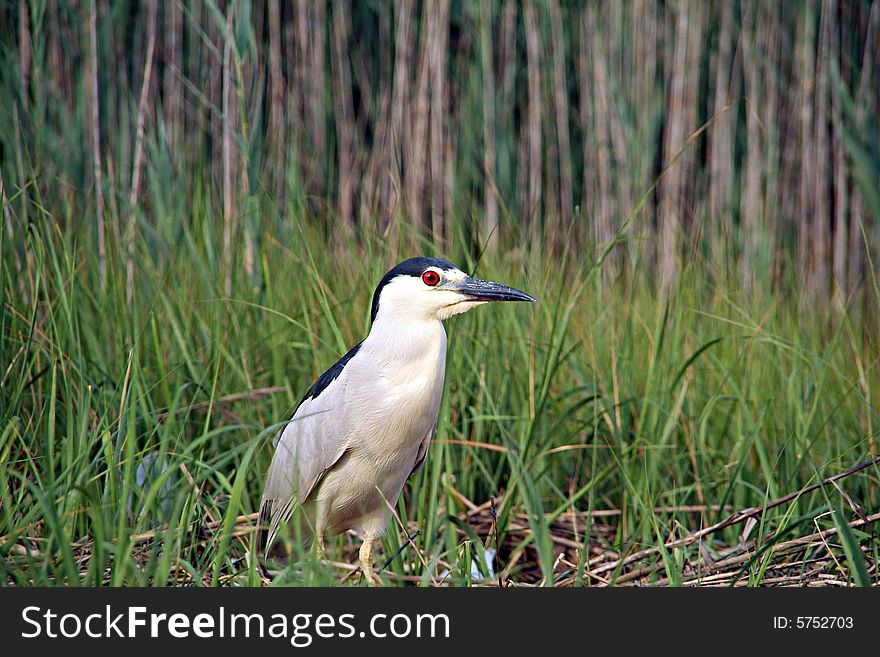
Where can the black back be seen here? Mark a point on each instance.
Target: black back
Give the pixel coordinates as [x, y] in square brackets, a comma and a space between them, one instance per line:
[327, 377]
[411, 267]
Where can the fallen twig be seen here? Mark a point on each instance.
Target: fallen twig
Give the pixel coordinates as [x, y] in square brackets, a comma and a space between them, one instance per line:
[735, 519]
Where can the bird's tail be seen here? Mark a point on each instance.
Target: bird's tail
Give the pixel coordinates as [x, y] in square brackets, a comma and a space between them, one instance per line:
[274, 516]
[265, 531]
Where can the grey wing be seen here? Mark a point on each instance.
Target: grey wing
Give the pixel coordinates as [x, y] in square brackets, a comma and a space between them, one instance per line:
[311, 443]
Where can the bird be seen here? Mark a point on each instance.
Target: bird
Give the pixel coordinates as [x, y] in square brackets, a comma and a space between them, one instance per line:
[365, 425]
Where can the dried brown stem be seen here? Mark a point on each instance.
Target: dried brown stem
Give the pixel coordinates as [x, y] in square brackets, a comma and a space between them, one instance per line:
[734, 519]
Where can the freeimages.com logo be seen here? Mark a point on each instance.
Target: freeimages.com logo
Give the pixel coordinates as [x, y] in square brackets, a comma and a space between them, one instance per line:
[299, 629]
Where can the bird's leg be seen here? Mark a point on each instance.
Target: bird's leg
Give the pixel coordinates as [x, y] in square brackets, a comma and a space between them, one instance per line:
[366, 558]
[319, 544]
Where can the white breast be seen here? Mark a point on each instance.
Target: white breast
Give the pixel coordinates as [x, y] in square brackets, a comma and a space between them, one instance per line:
[396, 389]
[392, 392]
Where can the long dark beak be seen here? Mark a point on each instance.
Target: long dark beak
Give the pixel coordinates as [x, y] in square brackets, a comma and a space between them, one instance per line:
[478, 290]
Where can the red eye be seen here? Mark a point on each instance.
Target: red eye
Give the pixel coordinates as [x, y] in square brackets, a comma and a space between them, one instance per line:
[430, 278]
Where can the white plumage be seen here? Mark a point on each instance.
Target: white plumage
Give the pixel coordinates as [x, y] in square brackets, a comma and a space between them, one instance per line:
[366, 424]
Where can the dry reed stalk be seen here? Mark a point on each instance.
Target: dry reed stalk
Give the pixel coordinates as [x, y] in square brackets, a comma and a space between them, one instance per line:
[681, 120]
[139, 156]
[95, 124]
[401, 96]
[437, 57]
[586, 127]
[343, 112]
[533, 121]
[840, 239]
[822, 200]
[560, 103]
[228, 108]
[487, 69]
[172, 99]
[720, 138]
[25, 47]
[599, 113]
[315, 18]
[415, 165]
[277, 92]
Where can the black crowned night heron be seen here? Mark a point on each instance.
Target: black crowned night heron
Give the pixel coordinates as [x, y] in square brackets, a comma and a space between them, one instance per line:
[365, 425]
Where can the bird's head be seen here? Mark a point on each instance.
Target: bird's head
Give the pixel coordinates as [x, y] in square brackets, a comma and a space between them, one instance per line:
[430, 288]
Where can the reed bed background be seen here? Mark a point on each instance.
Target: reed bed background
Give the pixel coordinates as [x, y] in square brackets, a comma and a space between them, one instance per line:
[197, 199]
